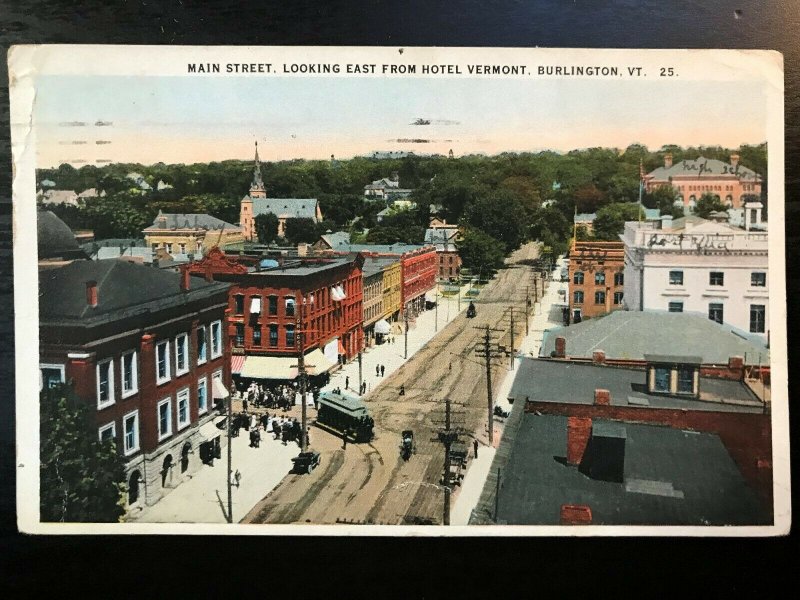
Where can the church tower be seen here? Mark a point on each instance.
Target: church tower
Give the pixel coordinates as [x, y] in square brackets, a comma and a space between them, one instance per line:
[257, 189]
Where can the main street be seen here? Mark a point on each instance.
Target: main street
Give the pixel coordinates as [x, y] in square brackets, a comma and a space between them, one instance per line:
[369, 483]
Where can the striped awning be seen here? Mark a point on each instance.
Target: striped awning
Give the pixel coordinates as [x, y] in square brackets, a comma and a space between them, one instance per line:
[237, 362]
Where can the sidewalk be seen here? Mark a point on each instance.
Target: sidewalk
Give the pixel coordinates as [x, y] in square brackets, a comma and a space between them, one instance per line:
[547, 315]
[204, 497]
[390, 355]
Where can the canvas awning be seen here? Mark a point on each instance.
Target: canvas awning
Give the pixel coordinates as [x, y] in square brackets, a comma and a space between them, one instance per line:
[237, 362]
[383, 327]
[270, 367]
[218, 389]
[317, 363]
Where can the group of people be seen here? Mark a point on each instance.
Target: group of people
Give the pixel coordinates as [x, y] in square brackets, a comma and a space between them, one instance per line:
[282, 428]
[281, 397]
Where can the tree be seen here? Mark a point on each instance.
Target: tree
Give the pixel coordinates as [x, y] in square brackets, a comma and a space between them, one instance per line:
[298, 231]
[266, 228]
[81, 478]
[581, 233]
[707, 204]
[500, 215]
[610, 220]
[663, 198]
[480, 251]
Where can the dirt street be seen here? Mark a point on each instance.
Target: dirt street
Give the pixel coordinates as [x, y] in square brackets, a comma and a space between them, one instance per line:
[370, 483]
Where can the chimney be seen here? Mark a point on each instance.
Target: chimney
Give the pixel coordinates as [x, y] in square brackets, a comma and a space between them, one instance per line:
[667, 160]
[576, 514]
[602, 397]
[599, 357]
[91, 293]
[185, 282]
[579, 430]
[561, 347]
[735, 161]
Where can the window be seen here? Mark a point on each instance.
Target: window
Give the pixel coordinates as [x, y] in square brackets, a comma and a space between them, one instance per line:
[202, 395]
[256, 335]
[131, 427]
[676, 277]
[164, 419]
[255, 305]
[238, 304]
[617, 297]
[201, 345]
[182, 248]
[216, 339]
[200, 248]
[183, 408]
[162, 362]
[758, 314]
[676, 307]
[273, 335]
[273, 305]
[107, 432]
[52, 375]
[290, 335]
[619, 278]
[130, 375]
[289, 306]
[577, 278]
[685, 380]
[662, 377]
[168, 247]
[105, 383]
[181, 354]
[716, 278]
[577, 297]
[600, 278]
[758, 279]
[154, 247]
[715, 312]
[238, 340]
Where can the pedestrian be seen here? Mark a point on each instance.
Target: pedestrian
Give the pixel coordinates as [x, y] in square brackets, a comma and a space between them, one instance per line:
[383, 368]
[475, 447]
[377, 370]
[344, 438]
[402, 390]
[244, 404]
[450, 367]
[347, 383]
[237, 478]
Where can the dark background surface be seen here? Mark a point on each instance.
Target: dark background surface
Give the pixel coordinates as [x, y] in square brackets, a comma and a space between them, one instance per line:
[392, 567]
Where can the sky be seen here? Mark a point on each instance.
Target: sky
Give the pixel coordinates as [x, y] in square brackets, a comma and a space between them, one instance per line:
[183, 120]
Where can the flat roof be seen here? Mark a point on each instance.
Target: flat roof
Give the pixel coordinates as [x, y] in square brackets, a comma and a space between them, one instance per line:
[568, 382]
[664, 483]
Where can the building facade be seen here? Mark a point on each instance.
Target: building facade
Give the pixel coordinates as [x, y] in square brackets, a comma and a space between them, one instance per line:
[148, 350]
[731, 183]
[316, 304]
[694, 265]
[444, 240]
[256, 203]
[183, 234]
[596, 279]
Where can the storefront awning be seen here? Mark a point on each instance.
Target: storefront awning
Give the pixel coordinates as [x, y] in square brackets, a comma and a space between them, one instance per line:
[270, 367]
[218, 389]
[383, 327]
[237, 362]
[317, 363]
[211, 428]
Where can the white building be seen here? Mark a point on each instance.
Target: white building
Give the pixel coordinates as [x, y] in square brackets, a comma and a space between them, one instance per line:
[695, 265]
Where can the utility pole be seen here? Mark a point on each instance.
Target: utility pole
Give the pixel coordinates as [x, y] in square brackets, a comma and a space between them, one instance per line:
[405, 321]
[436, 328]
[486, 349]
[230, 460]
[511, 354]
[447, 436]
[527, 308]
[301, 370]
[360, 371]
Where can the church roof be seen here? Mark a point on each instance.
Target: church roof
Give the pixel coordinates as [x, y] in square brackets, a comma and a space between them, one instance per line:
[188, 221]
[703, 167]
[289, 208]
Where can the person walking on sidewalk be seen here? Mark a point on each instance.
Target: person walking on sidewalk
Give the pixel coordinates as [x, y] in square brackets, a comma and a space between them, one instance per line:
[383, 368]
[377, 370]
[347, 382]
[475, 447]
[344, 438]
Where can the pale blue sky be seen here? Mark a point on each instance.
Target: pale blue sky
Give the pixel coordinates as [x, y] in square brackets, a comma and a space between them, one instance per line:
[182, 119]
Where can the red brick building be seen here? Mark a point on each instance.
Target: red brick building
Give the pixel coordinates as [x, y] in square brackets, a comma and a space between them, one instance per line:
[146, 348]
[272, 306]
[596, 278]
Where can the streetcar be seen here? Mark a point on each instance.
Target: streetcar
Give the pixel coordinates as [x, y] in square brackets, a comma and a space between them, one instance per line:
[471, 312]
[345, 415]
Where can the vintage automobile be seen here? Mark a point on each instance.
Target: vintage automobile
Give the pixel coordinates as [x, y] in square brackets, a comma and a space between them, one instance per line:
[305, 462]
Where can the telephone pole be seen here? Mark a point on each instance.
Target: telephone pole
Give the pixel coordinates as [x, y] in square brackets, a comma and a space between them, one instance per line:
[485, 351]
[301, 370]
[511, 354]
[405, 322]
[447, 436]
[360, 371]
[230, 460]
[436, 328]
[527, 309]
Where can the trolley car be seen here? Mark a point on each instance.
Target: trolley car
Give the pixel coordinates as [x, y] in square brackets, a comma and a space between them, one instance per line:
[345, 415]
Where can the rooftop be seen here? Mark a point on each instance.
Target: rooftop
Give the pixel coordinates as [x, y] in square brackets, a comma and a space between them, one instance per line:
[54, 238]
[397, 248]
[188, 221]
[376, 264]
[292, 208]
[629, 335]
[664, 482]
[703, 167]
[123, 289]
[566, 382]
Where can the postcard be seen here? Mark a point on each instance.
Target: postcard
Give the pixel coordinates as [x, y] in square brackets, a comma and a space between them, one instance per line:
[399, 291]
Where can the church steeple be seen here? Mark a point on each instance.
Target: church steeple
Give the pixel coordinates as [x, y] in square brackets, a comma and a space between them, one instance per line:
[257, 189]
